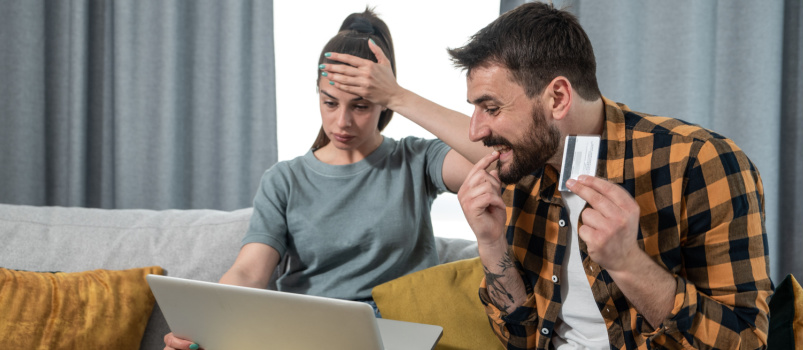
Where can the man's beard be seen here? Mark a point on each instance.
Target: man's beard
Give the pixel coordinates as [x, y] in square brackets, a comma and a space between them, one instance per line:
[539, 145]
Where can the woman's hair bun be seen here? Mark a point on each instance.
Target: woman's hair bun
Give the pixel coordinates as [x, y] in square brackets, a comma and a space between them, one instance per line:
[362, 25]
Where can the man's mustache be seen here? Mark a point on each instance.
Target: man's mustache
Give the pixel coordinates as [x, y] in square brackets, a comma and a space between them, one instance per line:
[496, 140]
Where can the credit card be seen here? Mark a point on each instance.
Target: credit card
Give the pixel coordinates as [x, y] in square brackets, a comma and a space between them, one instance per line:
[580, 158]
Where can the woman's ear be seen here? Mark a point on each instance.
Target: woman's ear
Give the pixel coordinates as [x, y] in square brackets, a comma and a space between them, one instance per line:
[559, 97]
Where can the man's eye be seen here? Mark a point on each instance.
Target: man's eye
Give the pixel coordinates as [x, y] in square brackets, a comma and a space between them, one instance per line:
[492, 111]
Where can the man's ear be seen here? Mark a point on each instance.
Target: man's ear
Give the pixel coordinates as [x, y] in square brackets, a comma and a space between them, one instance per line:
[558, 95]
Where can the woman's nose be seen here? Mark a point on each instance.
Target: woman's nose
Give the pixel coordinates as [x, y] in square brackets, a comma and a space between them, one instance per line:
[344, 118]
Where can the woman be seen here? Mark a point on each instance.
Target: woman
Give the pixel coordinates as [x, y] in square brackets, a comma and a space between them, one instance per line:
[354, 211]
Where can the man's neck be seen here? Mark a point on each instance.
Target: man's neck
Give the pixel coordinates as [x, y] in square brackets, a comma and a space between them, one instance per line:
[585, 118]
[590, 117]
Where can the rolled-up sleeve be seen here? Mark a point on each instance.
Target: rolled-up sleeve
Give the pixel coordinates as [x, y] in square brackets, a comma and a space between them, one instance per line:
[516, 330]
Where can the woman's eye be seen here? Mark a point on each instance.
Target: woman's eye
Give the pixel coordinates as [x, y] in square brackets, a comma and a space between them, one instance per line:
[330, 104]
[361, 107]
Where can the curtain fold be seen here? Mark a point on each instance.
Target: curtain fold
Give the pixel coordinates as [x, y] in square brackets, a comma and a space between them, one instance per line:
[790, 230]
[136, 104]
[730, 66]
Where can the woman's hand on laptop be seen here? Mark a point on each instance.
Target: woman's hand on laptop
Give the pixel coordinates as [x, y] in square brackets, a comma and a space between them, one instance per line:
[174, 343]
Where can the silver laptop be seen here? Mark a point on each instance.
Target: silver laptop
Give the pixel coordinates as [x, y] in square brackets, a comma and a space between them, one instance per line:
[219, 316]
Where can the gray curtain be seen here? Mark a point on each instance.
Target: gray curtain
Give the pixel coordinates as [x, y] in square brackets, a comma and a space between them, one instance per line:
[730, 66]
[136, 103]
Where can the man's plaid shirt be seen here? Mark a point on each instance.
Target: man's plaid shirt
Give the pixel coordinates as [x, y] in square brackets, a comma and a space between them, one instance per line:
[702, 218]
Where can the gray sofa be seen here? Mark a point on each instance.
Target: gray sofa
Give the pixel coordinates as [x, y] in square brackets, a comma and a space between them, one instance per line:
[194, 244]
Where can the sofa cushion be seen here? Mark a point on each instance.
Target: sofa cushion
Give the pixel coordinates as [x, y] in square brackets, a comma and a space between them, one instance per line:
[444, 295]
[79, 310]
[454, 249]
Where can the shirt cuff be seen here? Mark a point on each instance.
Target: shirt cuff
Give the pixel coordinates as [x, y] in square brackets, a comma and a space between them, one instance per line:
[267, 240]
[681, 317]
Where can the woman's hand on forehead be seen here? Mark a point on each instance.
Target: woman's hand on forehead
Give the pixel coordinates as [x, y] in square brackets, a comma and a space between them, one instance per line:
[365, 78]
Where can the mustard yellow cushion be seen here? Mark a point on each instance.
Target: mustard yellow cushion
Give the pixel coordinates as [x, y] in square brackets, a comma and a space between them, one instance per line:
[444, 295]
[81, 310]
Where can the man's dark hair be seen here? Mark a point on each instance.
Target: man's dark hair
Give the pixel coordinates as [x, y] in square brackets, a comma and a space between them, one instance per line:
[352, 38]
[536, 43]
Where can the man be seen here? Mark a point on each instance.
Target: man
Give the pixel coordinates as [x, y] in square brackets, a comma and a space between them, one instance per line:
[664, 248]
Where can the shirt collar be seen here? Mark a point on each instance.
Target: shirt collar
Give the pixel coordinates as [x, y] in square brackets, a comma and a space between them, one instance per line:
[548, 185]
[612, 161]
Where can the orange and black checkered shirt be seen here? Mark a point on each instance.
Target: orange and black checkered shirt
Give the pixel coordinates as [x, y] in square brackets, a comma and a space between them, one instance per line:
[702, 218]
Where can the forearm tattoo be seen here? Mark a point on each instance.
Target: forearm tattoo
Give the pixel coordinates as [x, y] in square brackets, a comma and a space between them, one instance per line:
[496, 286]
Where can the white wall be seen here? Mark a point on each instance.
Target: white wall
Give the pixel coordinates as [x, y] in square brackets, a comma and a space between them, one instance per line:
[421, 30]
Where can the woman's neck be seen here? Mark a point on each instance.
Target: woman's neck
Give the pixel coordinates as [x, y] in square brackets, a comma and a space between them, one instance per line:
[332, 155]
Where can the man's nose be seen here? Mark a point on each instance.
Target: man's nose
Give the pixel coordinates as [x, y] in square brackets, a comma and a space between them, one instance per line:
[478, 129]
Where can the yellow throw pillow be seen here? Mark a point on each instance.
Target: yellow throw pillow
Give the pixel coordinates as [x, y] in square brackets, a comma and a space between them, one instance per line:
[444, 295]
[80, 310]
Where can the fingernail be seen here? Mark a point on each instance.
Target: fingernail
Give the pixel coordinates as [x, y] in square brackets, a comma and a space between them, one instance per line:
[331, 83]
[372, 41]
[324, 73]
[570, 183]
[322, 66]
[327, 54]
[193, 346]
[495, 153]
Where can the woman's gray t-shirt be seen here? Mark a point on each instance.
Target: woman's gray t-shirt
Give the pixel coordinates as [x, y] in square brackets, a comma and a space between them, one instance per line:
[348, 228]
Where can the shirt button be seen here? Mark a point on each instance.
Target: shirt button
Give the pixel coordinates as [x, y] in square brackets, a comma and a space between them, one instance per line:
[562, 223]
[555, 279]
[545, 331]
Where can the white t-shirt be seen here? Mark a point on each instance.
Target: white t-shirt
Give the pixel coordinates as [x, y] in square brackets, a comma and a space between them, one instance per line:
[579, 324]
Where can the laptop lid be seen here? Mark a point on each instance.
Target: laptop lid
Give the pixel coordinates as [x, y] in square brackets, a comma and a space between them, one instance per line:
[218, 316]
